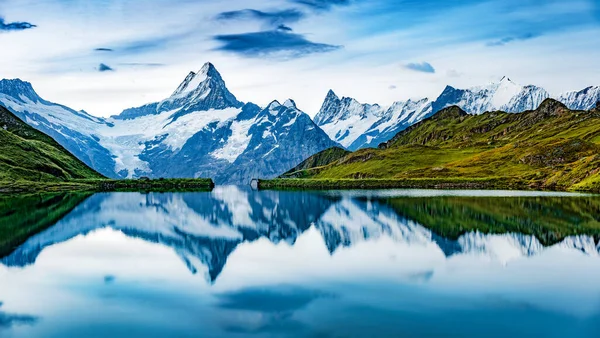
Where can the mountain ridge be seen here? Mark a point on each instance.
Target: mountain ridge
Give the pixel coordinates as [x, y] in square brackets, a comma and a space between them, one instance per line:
[504, 95]
[201, 129]
[552, 147]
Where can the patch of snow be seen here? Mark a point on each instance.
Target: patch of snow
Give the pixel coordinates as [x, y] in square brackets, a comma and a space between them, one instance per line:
[237, 142]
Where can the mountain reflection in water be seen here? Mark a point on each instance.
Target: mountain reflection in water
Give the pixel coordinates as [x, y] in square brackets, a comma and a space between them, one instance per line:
[300, 264]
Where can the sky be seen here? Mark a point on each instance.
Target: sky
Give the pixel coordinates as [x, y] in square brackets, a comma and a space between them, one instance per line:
[104, 56]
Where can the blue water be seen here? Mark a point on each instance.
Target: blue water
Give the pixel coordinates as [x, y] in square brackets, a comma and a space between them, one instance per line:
[241, 263]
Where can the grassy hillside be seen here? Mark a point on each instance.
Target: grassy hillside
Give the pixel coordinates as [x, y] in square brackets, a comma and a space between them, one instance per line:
[27, 154]
[318, 160]
[31, 161]
[551, 147]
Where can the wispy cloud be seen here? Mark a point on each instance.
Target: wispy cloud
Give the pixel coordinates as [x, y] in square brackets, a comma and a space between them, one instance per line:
[284, 28]
[322, 4]
[279, 42]
[142, 64]
[509, 39]
[104, 68]
[14, 26]
[271, 18]
[424, 67]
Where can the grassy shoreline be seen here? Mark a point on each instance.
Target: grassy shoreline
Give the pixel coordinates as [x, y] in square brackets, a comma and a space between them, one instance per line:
[100, 185]
[415, 183]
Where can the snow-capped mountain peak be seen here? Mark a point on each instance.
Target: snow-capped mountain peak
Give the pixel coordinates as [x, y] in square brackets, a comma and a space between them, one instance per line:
[197, 80]
[505, 95]
[581, 100]
[201, 91]
[19, 89]
[289, 103]
[504, 91]
[274, 105]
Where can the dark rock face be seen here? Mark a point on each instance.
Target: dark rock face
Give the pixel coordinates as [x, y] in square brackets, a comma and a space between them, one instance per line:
[331, 106]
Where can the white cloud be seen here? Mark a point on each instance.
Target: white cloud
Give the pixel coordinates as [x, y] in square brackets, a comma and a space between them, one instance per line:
[58, 56]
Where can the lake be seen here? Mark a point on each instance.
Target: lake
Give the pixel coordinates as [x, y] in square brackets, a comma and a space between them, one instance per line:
[242, 263]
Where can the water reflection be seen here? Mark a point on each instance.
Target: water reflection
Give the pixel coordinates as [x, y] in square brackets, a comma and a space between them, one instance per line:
[205, 228]
[8, 320]
[303, 264]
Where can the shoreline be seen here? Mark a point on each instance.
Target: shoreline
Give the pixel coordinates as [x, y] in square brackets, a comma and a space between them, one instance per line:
[414, 183]
[107, 185]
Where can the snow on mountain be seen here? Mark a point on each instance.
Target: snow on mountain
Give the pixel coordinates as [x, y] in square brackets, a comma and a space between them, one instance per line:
[201, 130]
[201, 91]
[76, 131]
[505, 95]
[398, 117]
[345, 119]
[279, 136]
[585, 99]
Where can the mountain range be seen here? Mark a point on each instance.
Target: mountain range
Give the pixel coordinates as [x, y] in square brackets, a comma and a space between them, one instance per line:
[551, 147]
[355, 125]
[203, 130]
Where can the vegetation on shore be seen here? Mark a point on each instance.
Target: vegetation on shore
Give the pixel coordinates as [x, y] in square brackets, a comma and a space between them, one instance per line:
[550, 148]
[99, 185]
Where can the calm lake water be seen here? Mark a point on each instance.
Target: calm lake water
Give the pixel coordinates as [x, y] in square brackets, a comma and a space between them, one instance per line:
[242, 263]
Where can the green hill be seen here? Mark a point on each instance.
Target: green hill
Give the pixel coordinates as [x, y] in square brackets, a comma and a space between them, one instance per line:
[551, 147]
[30, 155]
[318, 160]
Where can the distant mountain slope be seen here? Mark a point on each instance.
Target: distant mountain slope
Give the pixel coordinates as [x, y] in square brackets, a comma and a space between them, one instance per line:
[345, 119]
[76, 131]
[27, 154]
[201, 130]
[356, 128]
[320, 159]
[550, 147]
[581, 100]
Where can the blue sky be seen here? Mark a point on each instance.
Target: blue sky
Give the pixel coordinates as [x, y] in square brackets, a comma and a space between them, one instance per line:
[107, 55]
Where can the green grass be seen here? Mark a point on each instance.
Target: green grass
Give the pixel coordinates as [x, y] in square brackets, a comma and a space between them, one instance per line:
[551, 148]
[318, 160]
[27, 154]
[96, 185]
